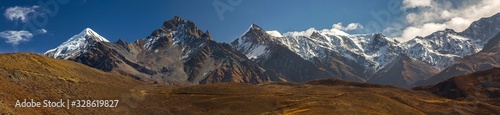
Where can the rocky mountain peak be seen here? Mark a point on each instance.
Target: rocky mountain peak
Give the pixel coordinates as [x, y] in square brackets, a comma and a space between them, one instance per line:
[76, 45]
[90, 35]
[254, 29]
[177, 18]
[121, 42]
[379, 39]
[255, 34]
[255, 26]
[315, 34]
[186, 27]
[483, 28]
[449, 30]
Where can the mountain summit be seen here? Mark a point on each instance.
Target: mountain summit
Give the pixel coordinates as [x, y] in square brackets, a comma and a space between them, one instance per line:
[76, 45]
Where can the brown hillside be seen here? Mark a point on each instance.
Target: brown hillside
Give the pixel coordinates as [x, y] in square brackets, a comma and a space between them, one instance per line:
[37, 77]
[478, 86]
[32, 76]
[315, 97]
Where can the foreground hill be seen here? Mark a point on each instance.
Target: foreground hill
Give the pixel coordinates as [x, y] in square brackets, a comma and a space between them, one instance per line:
[478, 86]
[37, 77]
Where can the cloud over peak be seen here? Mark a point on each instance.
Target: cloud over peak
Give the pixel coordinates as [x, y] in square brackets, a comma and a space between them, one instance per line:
[349, 27]
[423, 17]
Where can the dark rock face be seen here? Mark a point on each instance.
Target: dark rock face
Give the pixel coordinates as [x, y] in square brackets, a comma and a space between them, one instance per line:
[341, 67]
[403, 72]
[177, 53]
[290, 66]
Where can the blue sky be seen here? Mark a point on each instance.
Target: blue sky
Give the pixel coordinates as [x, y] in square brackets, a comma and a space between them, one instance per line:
[132, 20]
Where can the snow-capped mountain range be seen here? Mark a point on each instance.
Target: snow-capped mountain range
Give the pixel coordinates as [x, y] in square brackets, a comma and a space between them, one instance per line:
[443, 48]
[440, 49]
[176, 53]
[76, 45]
[370, 57]
[179, 51]
[373, 51]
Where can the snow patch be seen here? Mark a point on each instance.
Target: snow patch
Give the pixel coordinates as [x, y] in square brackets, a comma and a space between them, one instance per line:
[256, 52]
[76, 45]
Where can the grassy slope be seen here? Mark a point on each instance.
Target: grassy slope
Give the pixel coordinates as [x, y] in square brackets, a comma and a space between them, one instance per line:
[317, 97]
[482, 85]
[34, 76]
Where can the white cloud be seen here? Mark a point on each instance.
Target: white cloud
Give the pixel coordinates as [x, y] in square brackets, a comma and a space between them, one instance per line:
[426, 29]
[333, 31]
[15, 37]
[416, 3]
[274, 33]
[353, 26]
[459, 23]
[308, 32]
[19, 13]
[42, 31]
[338, 26]
[349, 27]
[430, 16]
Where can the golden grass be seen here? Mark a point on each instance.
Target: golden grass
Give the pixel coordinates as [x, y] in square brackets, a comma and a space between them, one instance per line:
[33, 76]
[27, 75]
